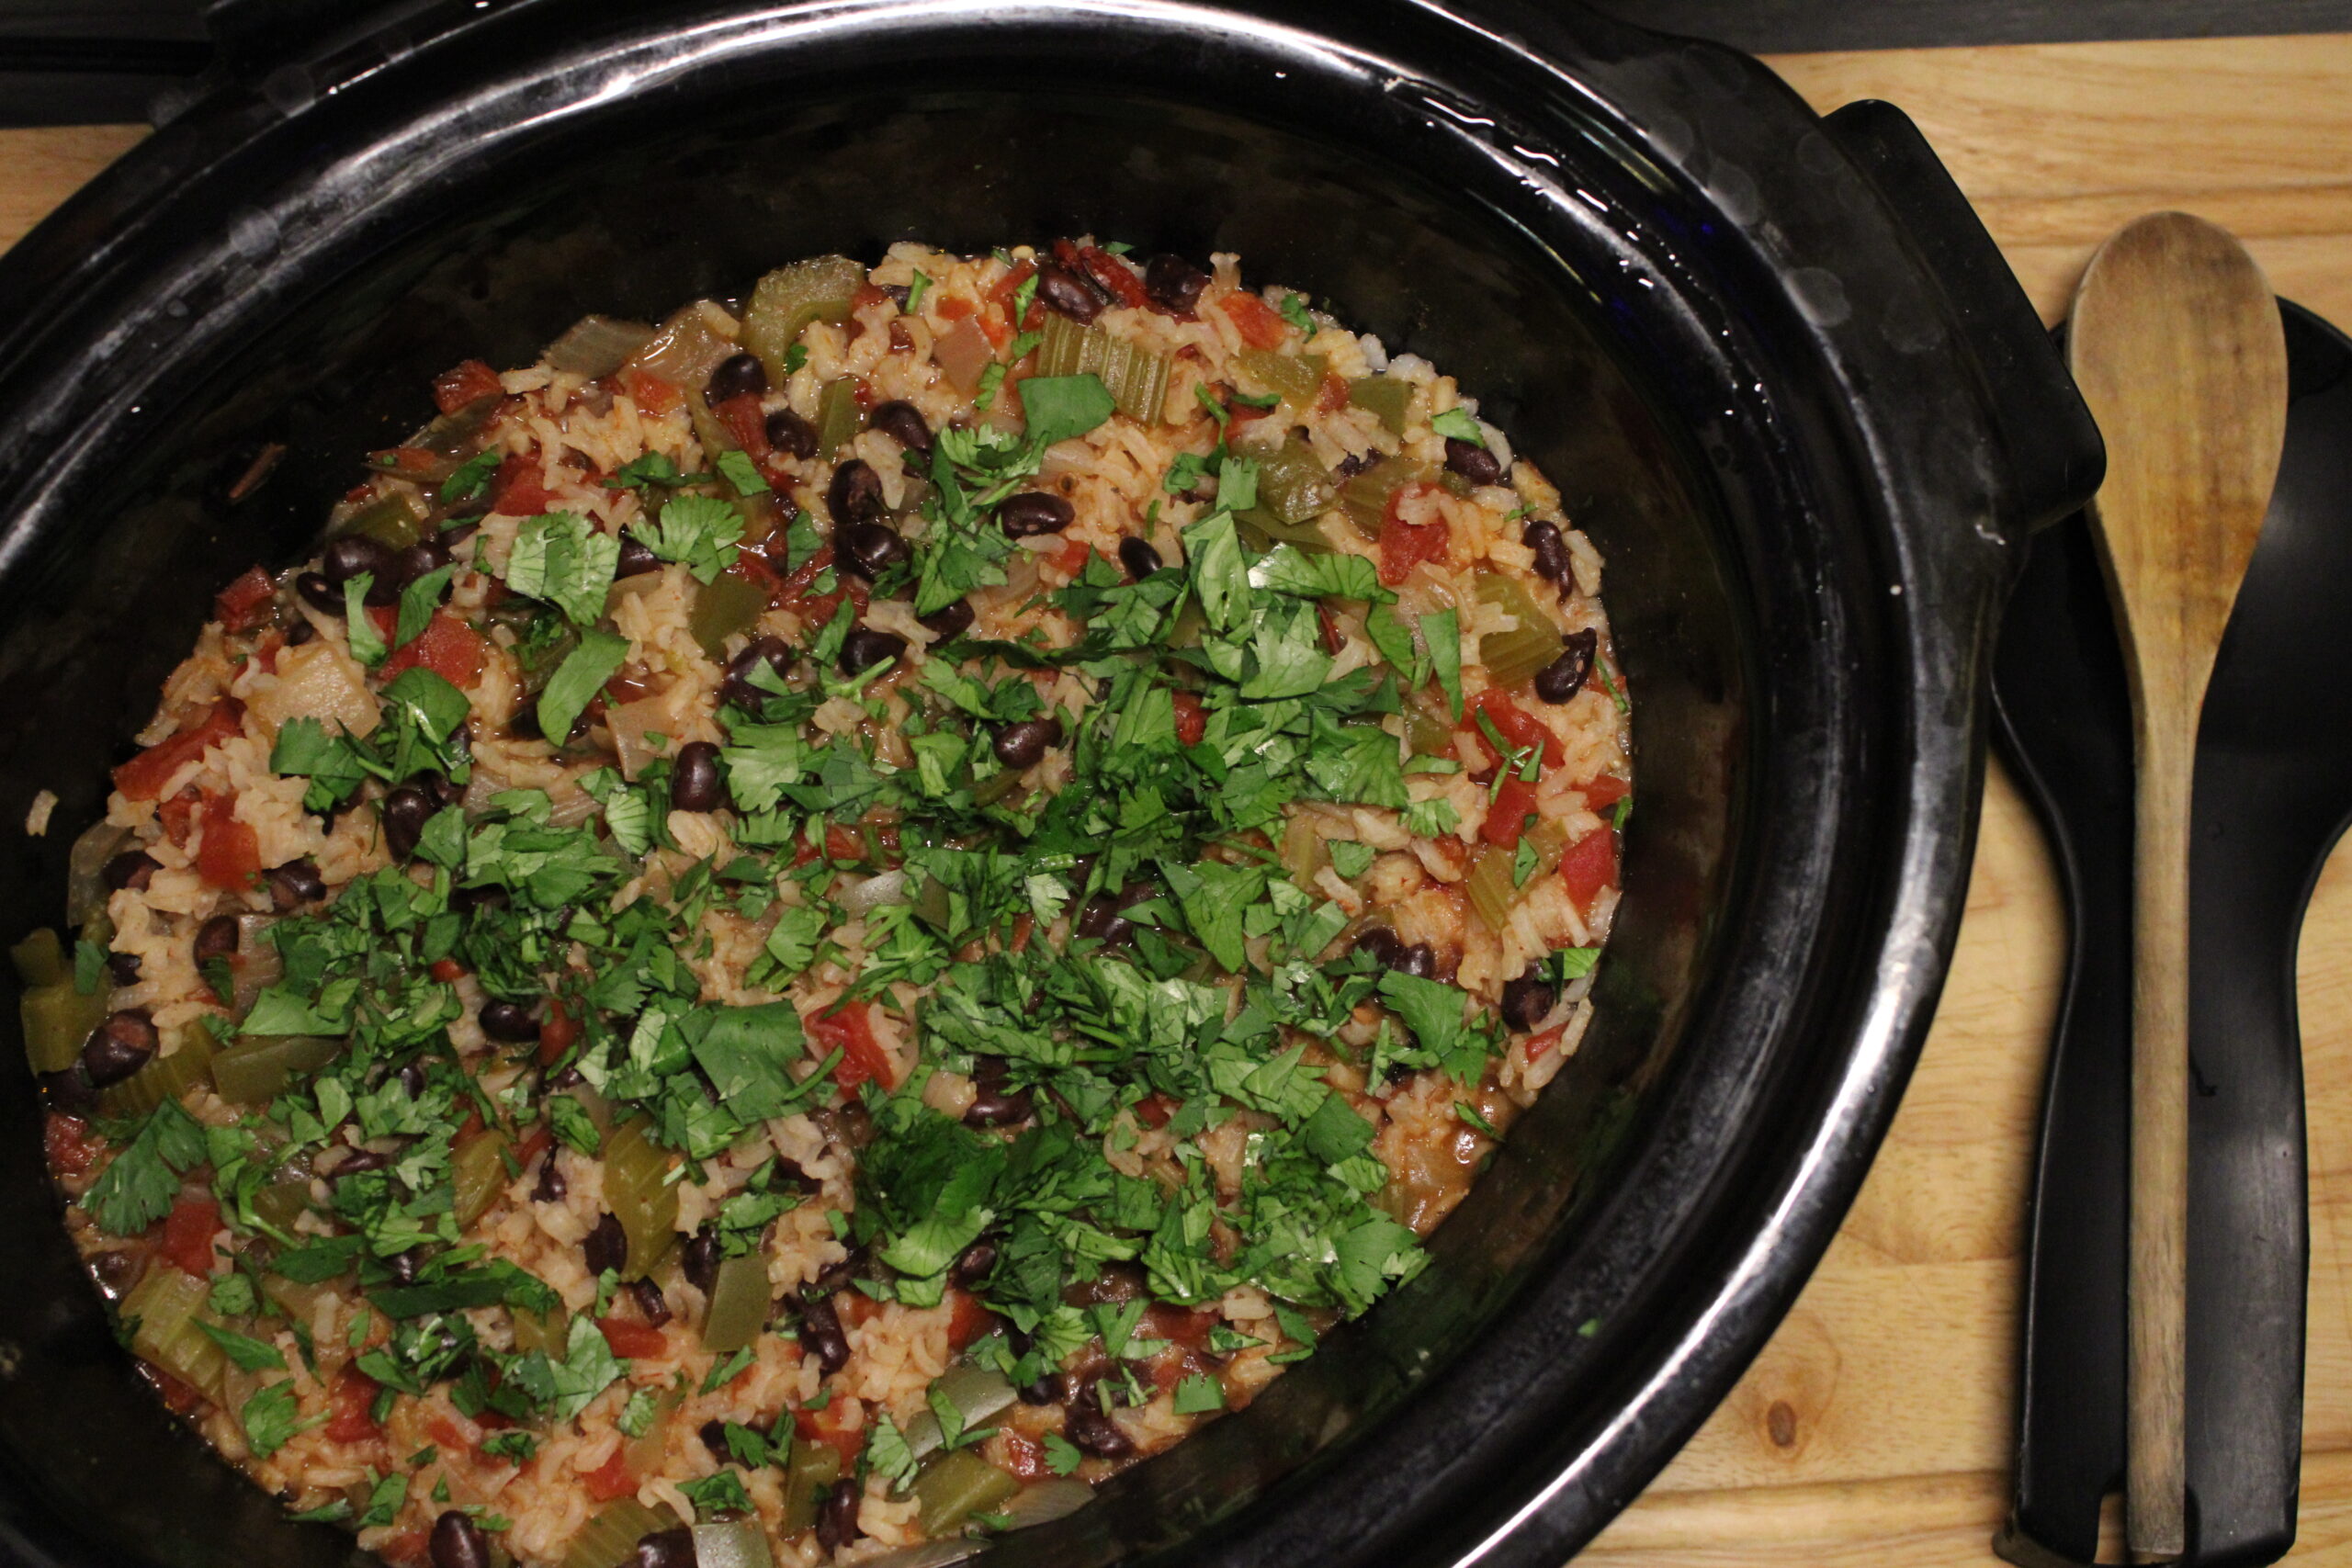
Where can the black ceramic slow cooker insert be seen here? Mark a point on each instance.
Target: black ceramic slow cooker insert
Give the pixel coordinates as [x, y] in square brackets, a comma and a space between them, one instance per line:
[1778, 372]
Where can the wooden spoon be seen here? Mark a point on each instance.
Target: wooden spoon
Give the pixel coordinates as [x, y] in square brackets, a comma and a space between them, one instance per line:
[2175, 342]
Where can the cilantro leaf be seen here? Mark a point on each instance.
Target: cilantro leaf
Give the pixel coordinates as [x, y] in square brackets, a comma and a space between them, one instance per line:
[1058, 408]
[1285, 569]
[745, 1051]
[247, 1352]
[1062, 1455]
[571, 1124]
[887, 1455]
[1201, 1394]
[418, 601]
[1442, 632]
[568, 1386]
[720, 1493]
[1220, 578]
[742, 472]
[473, 475]
[582, 674]
[697, 532]
[1293, 306]
[359, 629]
[271, 1419]
[1458, 425]
[566, 560]
[137, 1187]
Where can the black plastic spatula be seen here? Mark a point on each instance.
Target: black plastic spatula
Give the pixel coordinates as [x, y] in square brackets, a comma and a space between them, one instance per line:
[2273, 791]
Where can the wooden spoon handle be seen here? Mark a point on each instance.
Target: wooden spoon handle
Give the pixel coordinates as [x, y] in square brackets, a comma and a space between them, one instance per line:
[2157, 1471]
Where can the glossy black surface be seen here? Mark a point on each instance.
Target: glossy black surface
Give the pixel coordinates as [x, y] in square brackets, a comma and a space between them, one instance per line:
[2273, 794]
[1772, 407]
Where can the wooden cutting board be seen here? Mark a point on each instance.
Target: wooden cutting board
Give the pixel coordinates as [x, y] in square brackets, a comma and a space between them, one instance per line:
[1876, 1426]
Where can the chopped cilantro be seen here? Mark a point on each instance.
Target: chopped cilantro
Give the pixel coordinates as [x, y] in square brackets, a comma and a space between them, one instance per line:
[742, 473]
[248, 1353]
[720, 1493]
[583, 672]
[367, 642]
[1457, 424]
[566, 560]
[1062, 1455]
[137, 1187]
[696, 532]
[272, 1417]
[473, 475]
[1199, 1393]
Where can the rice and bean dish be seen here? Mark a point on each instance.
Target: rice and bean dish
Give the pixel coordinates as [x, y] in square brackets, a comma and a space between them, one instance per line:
[821, 925]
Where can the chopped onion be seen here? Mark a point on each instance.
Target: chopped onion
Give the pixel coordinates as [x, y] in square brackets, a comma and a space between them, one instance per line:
[86, 864]
[885, 887]
[597, 345]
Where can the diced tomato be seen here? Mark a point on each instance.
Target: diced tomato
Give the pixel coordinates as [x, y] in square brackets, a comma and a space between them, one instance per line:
[747, 422]
[1155, 1110]
[177, 815]
[1024, 1457]
[649, 392]
[1590, 865]
[1261, 325]
[1326, 621]
[187, 1235]
[993, 323]
[1010, 284]
[1072, 556]
[1178, 1325]
[557, 1031]
[634, 1340]
[446, 1432]
[1113, 275]
[820, 1425]
[954, 308]
[850, 1030]
[1192, 723]
[406, 1548]
[144, 776]
[230, 853]
[1605, 791]
[612, 1478]
[1537, 1044]
[1518, 728]
[1034, 317]
[797, 591]
[1332, 396]
[449, 971]
[240, 607]
[970, 1320]
[447, 647]
[352, 1403]
[67, 1142]
[1404, 545]
[855, 1308]
[515, 489]
[840, 844]
[1506, 818]
[266, 650]
[467, 383]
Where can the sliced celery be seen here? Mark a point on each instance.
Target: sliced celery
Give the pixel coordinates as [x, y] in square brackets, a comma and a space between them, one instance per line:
[839, 419]
[809, 1473]
[1135, 378]
[723, 606]
[1515, 656]
[726, 1545]
[164, 1303]
[610, 1539]
[1367, 496]
[258, 1070]
[739, 1304]
[40, 959]
[1302, 852]
[397, 519]
[533, 1332]
[976, 1391]
[1296, 378]
[477, 1170]
[638, 1191]
[787, 301]
[297, 1299]
[1387, 398]
[956, 1485]
[58, 1019]
[1294, 487]
[597, 345]
[1492, 892]
[166, 1077]
[1428, 734]
[645, 1452]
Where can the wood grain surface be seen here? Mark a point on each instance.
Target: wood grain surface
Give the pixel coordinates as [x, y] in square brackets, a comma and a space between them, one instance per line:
[1876, 1426]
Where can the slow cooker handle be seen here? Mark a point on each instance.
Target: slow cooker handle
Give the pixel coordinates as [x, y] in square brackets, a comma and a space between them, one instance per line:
[2056, 456]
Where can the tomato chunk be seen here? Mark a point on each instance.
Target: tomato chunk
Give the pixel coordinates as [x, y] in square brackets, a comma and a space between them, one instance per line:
[144, 776]
[612, 1478]
[352, 1402]
[1261, 325]
[970, 1320]
[649, 392]
[516, 490]
[187, 1235]
[1113, 275]
[244, 603]
[230, 853]
[1519, 729]
[1605, 791]
[468, 382]
[67, 1142]
[1506, 818]
[557, 1032]
[1192, 722]
[850, 1030]
[1590, 865]
[1404, 545]
[635, 1340]
[447, 647]
[823, 1425]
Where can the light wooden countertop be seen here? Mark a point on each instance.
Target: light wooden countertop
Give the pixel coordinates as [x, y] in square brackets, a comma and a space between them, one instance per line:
[1876, 1426]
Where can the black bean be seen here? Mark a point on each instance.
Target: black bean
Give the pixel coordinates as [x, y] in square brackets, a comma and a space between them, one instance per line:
[1101, 920]
[837, 1520]
[737, 687]
[424, 556]
[1089, 1427]
[405, 812]
[467, 899]
[821, 1334]
[458, 1542]
[1472, 461]
[672, 1547]
[510, 1022]
[993, 1105]
[856, 494]
[869, 550]
[950, 621]
[1033, 511]
[650, 1304]
[300, 633]
[412, 1079]
[700, 1260]
[903, 422]
[1381, 944]
[788, 432]
[216, 938]
[439, 788]
[352, 554]
[324, 596]
[118, 1048]
[1173, 284]
[714, 1438]
[1140, 559]
[295, 883]
[1550, 550]
[551, 1186]
[123, 968]
[636, 557]
[1024, 745]
[1047, 1390]
[606, 1247]
[1060, 290]
[359, 1162]
[403, 1266]
[1527, 998]
[1416, 960]
[70, 1090]
[1564, 676]
[117, 1272]
[1353, 464]
[865, 647]
[695, 784]
[739, 375]
[974, 1265]
[134, 869]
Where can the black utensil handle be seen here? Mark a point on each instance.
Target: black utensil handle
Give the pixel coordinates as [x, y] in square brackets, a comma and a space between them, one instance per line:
[2055, 454]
